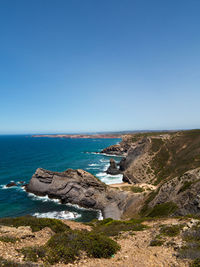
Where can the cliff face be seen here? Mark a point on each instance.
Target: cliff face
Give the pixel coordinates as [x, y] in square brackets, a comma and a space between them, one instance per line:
[119, 149]
[183, 190]
[171, 162]
[155, 157]
[82, 188]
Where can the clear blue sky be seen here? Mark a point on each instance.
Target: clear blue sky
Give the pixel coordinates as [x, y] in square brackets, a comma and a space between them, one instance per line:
[90, 65]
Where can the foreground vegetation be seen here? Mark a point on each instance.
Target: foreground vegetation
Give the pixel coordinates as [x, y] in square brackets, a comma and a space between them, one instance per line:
[65, 245]
[191, 249]
[110, 227]
[68, 246]
[36, 224]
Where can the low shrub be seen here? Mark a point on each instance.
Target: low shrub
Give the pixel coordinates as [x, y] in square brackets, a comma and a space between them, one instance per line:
[9, 263]
[111, 227]
[185, 186]
[164, 209]
[36, 224]
[137, 189]
[8, 239]
[192, 235]
[195, 263]
[191, 250]
[171, 230]
[33, 253]
[66, 247]
[145, 209]
[156, 242]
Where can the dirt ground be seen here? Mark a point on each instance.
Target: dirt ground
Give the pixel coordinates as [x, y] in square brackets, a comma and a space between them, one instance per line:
[135, 247]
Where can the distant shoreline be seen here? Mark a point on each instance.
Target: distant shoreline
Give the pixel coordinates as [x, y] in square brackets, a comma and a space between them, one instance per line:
[78, 136]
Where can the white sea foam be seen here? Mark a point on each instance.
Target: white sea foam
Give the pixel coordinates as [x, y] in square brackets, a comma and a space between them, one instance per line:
[3, 186]
[110, 179]
[68, 215]
[43, 199]
[104, 154]
[93, 164]
[76, 206]
[100, 217]
[21, 188]
[104, 160]
[106, 167]
[91, 168]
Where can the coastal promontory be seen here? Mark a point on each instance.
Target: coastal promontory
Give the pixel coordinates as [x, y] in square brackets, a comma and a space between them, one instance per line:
[81, 188]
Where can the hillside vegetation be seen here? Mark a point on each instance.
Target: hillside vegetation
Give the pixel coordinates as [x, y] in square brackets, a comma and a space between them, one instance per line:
[169, 162]
[157, 156]
[175, 155]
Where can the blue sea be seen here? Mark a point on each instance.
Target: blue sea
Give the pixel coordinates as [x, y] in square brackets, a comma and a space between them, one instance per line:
[20, 156]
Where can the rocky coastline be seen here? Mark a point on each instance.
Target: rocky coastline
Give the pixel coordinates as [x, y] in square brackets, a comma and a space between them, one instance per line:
[145, 158]
[81, 188]
[154, 221]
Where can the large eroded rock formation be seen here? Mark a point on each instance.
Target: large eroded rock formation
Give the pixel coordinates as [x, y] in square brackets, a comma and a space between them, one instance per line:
[82, 188]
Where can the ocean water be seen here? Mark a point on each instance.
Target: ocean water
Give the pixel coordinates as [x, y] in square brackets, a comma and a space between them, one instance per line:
[20, 156]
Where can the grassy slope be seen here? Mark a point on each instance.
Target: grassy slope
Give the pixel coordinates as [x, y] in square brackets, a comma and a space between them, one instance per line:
[173, 156]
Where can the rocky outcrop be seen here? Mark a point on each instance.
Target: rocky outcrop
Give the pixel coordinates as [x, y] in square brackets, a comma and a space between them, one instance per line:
[120, 149]
[79, 187]
[184, 191]
[113, 169]
[131, 165]
[11, 184]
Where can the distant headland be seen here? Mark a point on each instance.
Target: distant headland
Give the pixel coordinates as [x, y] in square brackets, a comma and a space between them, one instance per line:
[77, 136]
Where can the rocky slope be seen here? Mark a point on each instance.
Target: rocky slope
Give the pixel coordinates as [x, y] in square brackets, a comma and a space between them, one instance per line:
[183, 190]
[169, 161]
[155, 157]
[82, 188]
[138, 248]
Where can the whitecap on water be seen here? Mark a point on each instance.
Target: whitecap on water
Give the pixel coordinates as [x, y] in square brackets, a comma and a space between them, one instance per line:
[93, 164]
[110, 179]
[91, 168]
[43, 199]
[3, 186]
[104, 160]
[106, 167]
[68, 215]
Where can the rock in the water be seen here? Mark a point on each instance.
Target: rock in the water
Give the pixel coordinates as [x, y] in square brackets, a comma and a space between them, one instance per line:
[79, 187]
[11, 184]
[113, 169]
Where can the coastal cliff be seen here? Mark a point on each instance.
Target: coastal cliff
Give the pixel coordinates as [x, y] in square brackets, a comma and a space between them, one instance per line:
[156, 166]
[157, 156]
[170, 162]
[81, 188]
